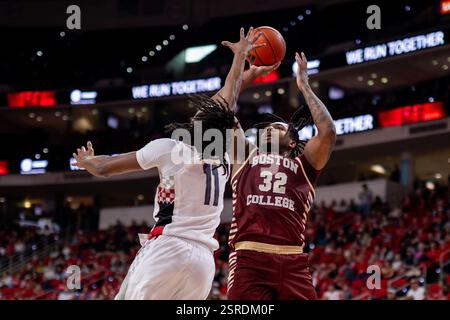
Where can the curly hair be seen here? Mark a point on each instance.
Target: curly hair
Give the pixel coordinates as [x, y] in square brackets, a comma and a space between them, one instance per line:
[213, 114]
[299, 119]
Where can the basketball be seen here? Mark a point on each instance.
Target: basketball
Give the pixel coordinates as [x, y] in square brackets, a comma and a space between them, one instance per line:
[272, 52]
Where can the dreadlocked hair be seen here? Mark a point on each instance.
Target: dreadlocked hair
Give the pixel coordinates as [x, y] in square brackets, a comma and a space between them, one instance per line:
[300, 119]
[213, 114]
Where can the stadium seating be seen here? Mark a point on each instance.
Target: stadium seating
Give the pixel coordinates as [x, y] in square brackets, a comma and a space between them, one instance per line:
[339, 256]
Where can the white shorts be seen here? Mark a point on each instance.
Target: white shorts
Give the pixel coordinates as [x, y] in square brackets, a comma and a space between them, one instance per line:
[169, 268]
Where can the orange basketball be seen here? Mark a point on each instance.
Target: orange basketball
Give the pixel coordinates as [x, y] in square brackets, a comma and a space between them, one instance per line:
[272, 52]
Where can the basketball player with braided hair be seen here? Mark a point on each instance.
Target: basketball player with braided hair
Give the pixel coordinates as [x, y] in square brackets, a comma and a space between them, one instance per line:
[273, 191]
[176, 260]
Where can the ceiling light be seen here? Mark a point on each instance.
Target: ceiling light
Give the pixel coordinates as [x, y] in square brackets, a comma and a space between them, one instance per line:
[445, 67]
[438, 176]
[185, 27]
[172, 37]
[268, 93]
[32, 115]
[373, 75]
[384, 80]
[39, 119]
[256, 95]
[360, 78]
[378, 169]
[370, 83]
[165, 42]
[196, 54]
[434, 62]
[281, 91]
[429, 185]
[151, 53]
[129, 69]
[144, 58]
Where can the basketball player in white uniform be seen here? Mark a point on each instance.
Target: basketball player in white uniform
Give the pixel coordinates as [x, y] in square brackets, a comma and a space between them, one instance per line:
[176, 258]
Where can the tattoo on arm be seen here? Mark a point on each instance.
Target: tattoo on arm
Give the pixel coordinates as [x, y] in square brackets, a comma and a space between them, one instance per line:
[321, 116]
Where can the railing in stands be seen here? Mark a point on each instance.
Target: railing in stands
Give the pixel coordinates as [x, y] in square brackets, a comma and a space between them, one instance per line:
[362, 296]
[102, 277]
[18, 261]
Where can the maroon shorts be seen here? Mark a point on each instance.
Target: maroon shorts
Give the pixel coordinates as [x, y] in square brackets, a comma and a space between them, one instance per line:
[268, 276]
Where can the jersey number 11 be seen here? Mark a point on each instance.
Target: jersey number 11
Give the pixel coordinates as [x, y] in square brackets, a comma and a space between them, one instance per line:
[209, 171]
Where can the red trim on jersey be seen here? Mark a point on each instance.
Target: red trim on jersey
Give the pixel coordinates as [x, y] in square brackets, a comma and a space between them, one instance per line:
[155, 232]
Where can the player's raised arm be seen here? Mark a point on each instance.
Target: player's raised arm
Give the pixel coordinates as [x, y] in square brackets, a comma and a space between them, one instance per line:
[318, 150]
[233, 82]
[105, 166]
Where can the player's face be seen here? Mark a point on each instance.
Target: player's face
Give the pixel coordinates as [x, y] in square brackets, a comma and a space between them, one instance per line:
[277, 134]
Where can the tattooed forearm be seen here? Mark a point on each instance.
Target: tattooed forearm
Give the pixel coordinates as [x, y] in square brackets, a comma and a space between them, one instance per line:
[321, 116]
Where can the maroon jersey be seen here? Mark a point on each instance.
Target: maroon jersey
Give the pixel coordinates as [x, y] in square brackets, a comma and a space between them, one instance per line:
[272, 196]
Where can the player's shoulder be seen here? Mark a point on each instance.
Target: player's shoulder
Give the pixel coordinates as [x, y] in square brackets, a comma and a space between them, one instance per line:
[164, 144]
[160, 147]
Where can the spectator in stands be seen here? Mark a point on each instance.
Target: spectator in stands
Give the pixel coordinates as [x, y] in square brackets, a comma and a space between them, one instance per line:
[333, 293]
[342, 207]
[365, 200]
[391, 294]
[415, 292]
[395, 174]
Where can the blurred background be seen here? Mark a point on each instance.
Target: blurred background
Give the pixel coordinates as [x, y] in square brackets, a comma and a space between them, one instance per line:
[383, 198]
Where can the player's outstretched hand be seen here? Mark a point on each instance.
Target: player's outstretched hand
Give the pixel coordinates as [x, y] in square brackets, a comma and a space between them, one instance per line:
[83, 154]
[245, 43]
[258, 71]
[302, 71]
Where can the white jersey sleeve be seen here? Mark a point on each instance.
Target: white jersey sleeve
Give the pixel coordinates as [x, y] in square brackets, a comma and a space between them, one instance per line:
[156, 153]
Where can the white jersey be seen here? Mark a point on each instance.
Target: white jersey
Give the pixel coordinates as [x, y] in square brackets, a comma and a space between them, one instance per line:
[189, 197]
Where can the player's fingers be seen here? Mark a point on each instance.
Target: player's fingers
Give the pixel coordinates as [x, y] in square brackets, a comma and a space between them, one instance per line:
[89, 145]
[275, 66]
[297, 57]
[242, 35]
[250, 33]
[78, 151]
[259, 34]
[227, 44]
[83, 149]
[74, 155]
[259, 45]
[304, 58]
